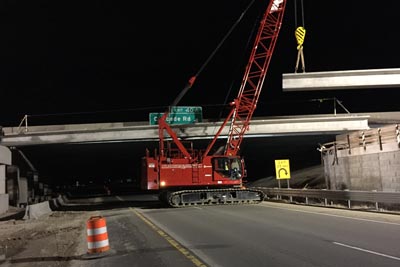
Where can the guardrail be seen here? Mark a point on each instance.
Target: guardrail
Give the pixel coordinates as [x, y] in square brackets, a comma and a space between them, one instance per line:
[386, 199]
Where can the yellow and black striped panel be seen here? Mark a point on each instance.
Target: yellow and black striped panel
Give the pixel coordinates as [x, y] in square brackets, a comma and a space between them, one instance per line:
[300, 34]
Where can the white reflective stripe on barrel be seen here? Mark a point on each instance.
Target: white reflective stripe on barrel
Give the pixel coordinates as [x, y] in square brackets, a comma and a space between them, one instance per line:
[97, 231]
[98, 244]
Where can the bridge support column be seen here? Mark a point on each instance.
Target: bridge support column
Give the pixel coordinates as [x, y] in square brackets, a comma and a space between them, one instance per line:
[5, 159]
[2, 179]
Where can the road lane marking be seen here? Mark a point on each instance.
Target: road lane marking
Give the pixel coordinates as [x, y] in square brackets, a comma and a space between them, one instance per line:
[170, 240]
[368, 251]
[335, 215]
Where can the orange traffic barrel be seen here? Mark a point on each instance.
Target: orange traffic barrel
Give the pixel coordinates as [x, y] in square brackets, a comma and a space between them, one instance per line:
[97, 237]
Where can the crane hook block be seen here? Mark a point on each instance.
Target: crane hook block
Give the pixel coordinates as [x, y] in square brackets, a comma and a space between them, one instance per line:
[300, 34]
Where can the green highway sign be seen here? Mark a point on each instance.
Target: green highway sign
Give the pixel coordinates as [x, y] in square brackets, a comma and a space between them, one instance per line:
[179, 115]
[184, 109]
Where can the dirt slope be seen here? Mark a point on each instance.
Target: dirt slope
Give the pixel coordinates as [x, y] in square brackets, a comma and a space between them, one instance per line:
[312, 177]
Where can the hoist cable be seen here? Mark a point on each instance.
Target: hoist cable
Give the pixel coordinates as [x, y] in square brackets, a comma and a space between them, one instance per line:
[302, 13]
[295, 13]
[228, 94]
[225, 37]
[193, 78]
[300, 33]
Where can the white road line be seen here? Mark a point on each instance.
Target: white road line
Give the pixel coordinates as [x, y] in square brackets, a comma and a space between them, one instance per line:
[368, 251]
[119, 198]
[334, 215]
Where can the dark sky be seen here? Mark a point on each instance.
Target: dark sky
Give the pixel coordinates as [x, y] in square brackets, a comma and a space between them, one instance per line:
[91, 61]
[102, 61]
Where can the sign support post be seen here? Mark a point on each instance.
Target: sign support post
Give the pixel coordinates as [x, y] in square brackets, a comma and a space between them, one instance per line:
[282, 170]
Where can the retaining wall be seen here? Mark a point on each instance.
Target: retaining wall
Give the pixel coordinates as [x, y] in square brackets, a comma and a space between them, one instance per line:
[364, 160]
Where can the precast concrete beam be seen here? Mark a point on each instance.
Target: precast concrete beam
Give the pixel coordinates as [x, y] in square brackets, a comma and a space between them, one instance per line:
[343, 80]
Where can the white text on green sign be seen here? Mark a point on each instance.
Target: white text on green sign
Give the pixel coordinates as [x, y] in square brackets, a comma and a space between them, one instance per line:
[179, 115]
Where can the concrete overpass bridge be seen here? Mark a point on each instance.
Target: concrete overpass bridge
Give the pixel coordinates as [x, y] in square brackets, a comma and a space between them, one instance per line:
[141, 131]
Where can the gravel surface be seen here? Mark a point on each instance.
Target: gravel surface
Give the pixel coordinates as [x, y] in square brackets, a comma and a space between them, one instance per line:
[26, 242]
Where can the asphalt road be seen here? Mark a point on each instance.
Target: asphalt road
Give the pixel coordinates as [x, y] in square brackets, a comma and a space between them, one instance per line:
[142, 232]
[267, 234]
[277, 235]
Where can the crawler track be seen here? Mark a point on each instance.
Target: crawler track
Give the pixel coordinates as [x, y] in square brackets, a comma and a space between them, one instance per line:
[203, 197]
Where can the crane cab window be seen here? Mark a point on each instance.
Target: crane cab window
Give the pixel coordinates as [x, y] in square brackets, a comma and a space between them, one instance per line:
[228, 167]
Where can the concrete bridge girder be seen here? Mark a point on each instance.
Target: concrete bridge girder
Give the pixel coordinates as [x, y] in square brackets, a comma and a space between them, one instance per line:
[341, 80]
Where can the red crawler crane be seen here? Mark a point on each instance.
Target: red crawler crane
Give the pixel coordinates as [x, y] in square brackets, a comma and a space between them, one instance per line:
[186, 176]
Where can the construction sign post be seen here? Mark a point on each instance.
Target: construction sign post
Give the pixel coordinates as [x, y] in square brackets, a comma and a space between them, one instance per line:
[282, 170]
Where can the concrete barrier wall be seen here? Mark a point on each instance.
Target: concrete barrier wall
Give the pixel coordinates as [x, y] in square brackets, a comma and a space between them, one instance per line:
[36, 210]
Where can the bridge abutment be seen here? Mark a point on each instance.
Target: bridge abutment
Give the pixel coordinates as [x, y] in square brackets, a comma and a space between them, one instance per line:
[364, 160]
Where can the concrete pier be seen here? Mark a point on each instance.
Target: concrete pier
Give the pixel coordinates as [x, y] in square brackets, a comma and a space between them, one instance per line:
[5, 159]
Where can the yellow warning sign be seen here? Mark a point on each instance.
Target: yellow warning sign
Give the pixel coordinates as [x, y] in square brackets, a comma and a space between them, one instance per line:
[282, 169]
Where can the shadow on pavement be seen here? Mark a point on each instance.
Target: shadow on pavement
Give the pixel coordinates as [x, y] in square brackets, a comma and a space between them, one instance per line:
[13, 214]
[107, 202]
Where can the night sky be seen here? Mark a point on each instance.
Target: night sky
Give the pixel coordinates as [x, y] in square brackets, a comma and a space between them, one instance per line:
[102, 61]
[98, 61]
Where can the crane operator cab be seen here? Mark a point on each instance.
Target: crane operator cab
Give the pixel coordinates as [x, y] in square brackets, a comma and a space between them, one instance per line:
[229, 167]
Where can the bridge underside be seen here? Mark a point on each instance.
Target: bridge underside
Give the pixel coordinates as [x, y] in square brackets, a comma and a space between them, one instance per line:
[338, 80]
